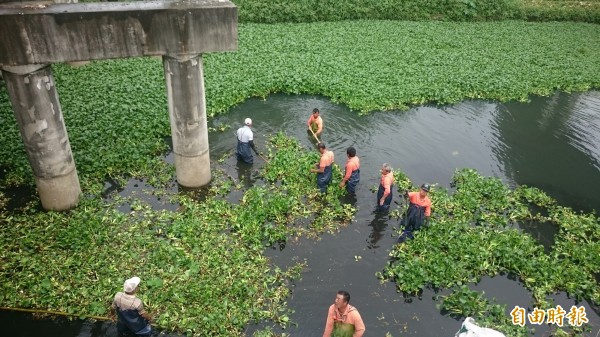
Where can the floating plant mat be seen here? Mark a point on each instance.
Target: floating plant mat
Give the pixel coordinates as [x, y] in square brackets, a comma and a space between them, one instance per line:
[473, 234]
[366, 65]
[202, 267]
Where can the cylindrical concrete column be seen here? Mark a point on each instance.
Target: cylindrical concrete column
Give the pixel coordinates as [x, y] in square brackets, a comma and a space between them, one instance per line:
[187, 113]
[38, 113]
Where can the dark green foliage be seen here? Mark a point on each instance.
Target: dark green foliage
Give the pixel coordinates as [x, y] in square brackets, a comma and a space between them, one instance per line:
[298, 193]
[116, 116]
[560, 10]
[277, 11]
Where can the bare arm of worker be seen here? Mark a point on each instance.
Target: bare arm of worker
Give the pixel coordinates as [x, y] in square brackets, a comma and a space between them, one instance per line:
[329, 323]
[113, 314]
[321, 169]
[347, 175]
[359, 325]
[386, 192]
[322, 164]
[146, 315]
[252, 146]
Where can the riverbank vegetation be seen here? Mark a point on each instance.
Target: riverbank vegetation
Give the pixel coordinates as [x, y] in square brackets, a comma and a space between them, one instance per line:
[203, 266]
[277, 11]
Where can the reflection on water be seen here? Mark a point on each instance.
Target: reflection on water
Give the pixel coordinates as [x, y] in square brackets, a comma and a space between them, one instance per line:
[544, 233]
[554, 144]
[551, 143]
[378, 226]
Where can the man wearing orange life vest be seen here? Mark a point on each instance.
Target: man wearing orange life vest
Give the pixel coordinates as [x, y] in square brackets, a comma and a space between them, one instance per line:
[315, 122]
[384, 193]
[343, 319]
[418, 212]
[324, 168]
[352, 176]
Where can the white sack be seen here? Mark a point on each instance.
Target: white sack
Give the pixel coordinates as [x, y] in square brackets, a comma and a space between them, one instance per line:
[470, 329]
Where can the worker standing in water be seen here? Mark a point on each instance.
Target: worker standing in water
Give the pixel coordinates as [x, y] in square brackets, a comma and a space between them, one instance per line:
[245, 142]
[315, 123]
[324, 168]
[352, 175]
[384, 193]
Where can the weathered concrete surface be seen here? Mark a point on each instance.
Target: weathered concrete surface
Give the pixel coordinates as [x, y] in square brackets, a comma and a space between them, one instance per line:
[59, 193]
[187, 113]
[38, 113]
[42, 32]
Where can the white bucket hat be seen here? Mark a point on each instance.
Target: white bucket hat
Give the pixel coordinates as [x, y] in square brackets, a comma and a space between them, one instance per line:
[131, 284]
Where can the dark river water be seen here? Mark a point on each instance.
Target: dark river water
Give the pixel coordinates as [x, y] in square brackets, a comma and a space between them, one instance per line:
[552, 143]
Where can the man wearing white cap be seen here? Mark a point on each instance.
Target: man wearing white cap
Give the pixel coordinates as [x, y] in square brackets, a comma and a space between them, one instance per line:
[132, 318]
[245, 142]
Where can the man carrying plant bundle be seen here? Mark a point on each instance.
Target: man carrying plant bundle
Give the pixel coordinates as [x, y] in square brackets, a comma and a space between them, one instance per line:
[343, 320]
[245, 142]
[352, 175]
[132, 318]
[418, 212]
[324, 168]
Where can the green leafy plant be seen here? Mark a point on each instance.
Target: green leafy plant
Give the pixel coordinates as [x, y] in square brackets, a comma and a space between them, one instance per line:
[463, 302]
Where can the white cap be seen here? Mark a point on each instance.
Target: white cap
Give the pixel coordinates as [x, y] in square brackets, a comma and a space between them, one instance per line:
[248, 121]
[130, 284]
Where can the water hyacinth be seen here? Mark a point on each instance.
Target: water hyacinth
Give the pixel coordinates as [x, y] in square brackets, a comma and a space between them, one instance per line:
[207, 256]
[473, 234]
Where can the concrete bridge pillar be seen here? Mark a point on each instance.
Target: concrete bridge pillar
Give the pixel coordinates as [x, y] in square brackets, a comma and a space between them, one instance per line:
[187, 114]
[39, 116]
[44, 33]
